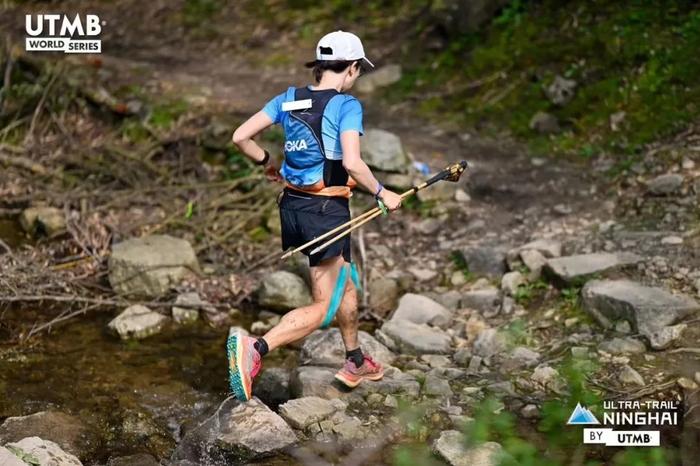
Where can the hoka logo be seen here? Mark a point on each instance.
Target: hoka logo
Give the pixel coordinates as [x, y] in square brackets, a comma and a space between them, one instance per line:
[295, 146]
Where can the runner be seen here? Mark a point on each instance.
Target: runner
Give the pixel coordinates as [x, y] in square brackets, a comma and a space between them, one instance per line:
[322, 163]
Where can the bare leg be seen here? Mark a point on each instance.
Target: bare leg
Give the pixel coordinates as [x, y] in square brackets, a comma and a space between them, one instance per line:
[300, 322]
[347, 317]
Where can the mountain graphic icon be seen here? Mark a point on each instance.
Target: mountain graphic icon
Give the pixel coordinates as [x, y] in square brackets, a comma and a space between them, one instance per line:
[582, 416]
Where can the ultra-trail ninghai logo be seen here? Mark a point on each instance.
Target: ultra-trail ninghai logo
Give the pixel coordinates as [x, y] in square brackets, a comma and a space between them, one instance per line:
[635, 414]
[60, 33]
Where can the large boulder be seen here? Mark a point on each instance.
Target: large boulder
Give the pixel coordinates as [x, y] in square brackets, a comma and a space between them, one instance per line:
[421, 310]
[571, 269]
[650, 310]
[325, 348]
[151, 265]
[137, 322]
[65, 430]
[41, 452]
[236, 433]
[452, 446]
[417, 338]
[46, 220]
[283, 291]
[383, 150]
[486, 300]
[272, 386]
[665, 184]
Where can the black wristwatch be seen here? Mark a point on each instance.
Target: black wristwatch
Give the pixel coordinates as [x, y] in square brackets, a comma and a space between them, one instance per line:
[265, 159]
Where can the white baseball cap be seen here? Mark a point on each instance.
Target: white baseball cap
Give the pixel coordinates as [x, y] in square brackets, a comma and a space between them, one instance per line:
[341, 45]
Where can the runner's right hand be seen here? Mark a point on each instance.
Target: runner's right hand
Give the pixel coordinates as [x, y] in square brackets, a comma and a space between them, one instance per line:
[391, 200]
[272, 174]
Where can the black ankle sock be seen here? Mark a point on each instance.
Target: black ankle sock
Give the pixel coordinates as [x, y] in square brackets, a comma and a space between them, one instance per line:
[261, 346]
[355, 356]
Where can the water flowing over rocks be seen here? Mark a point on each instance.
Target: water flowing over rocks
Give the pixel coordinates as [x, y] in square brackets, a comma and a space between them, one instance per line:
[325, 348]
[137, 322]
[283, 291]
[151, 265]
[237, 432]
[570, 269]
[650, 310]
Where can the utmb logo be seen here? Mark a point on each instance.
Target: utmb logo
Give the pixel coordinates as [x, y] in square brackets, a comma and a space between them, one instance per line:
[58, 33]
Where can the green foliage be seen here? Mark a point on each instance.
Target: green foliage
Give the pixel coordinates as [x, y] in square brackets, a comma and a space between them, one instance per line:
[635, 56]
[165, 114]
[525, 294]
[196, 12]
[460, 263]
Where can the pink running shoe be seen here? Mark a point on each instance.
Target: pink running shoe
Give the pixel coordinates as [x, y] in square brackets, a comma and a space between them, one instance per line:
[351, 375]
[244, 363]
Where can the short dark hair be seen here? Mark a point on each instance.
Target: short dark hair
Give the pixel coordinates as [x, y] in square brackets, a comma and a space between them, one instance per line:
[337, 66]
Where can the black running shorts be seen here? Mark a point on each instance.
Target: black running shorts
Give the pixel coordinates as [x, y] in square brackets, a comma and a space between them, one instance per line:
[306, 216]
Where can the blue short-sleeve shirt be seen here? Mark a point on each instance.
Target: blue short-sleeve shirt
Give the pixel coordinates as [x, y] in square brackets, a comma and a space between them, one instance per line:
[343, 113]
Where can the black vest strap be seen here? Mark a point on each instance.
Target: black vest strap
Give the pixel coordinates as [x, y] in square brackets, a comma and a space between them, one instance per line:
[334, 174]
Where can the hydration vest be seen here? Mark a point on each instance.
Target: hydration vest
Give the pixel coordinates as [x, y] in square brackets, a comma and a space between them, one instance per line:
[306, 165]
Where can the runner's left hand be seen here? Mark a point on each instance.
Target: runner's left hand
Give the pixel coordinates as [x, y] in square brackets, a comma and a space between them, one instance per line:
[272, 174]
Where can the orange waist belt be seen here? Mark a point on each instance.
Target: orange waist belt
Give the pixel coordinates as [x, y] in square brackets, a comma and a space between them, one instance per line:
[320, 189]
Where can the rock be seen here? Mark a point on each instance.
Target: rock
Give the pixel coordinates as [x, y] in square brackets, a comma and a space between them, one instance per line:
[65, 430]
[547, 377]
[348, 429]
[489, 343]
[547, 247]
[665, 184]
[151, 265]
[417, 338]
[272, 386]
[283, 291]
[561, 90]
[452, 446]
[462, 196]
[449, 299]
[236, 433]
[511, 282]
[649, 309]
[140, 459]
[629, 376]
[320, 381]
[462, 357]
[534, 261]
[386, 340]
[486, 260]
[439, 192]
[623, 326]
[43, 220]
[325, 348]
[544, 123]
[42, 452]
[383, 150]
[391, 402]
[190, 311]
[672, 240]
[530, 411]
[623, 346]
[422, 274]
[383, 294]
[382, 77]
[420, 309]
[436, 360]
[667, 335]
[137, 322]
[616, 120]
[687, 384]
[302, 412]
[436, 386]
[519, 358]
[486, 300]
[7, 458]
[571, 269]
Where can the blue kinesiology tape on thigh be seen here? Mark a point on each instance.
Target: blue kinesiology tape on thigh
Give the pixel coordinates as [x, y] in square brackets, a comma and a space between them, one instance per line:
[336, 298]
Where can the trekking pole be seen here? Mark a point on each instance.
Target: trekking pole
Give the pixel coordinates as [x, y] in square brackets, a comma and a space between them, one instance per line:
[451, 173]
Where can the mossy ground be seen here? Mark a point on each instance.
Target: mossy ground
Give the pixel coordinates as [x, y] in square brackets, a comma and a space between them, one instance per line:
[635, 56]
